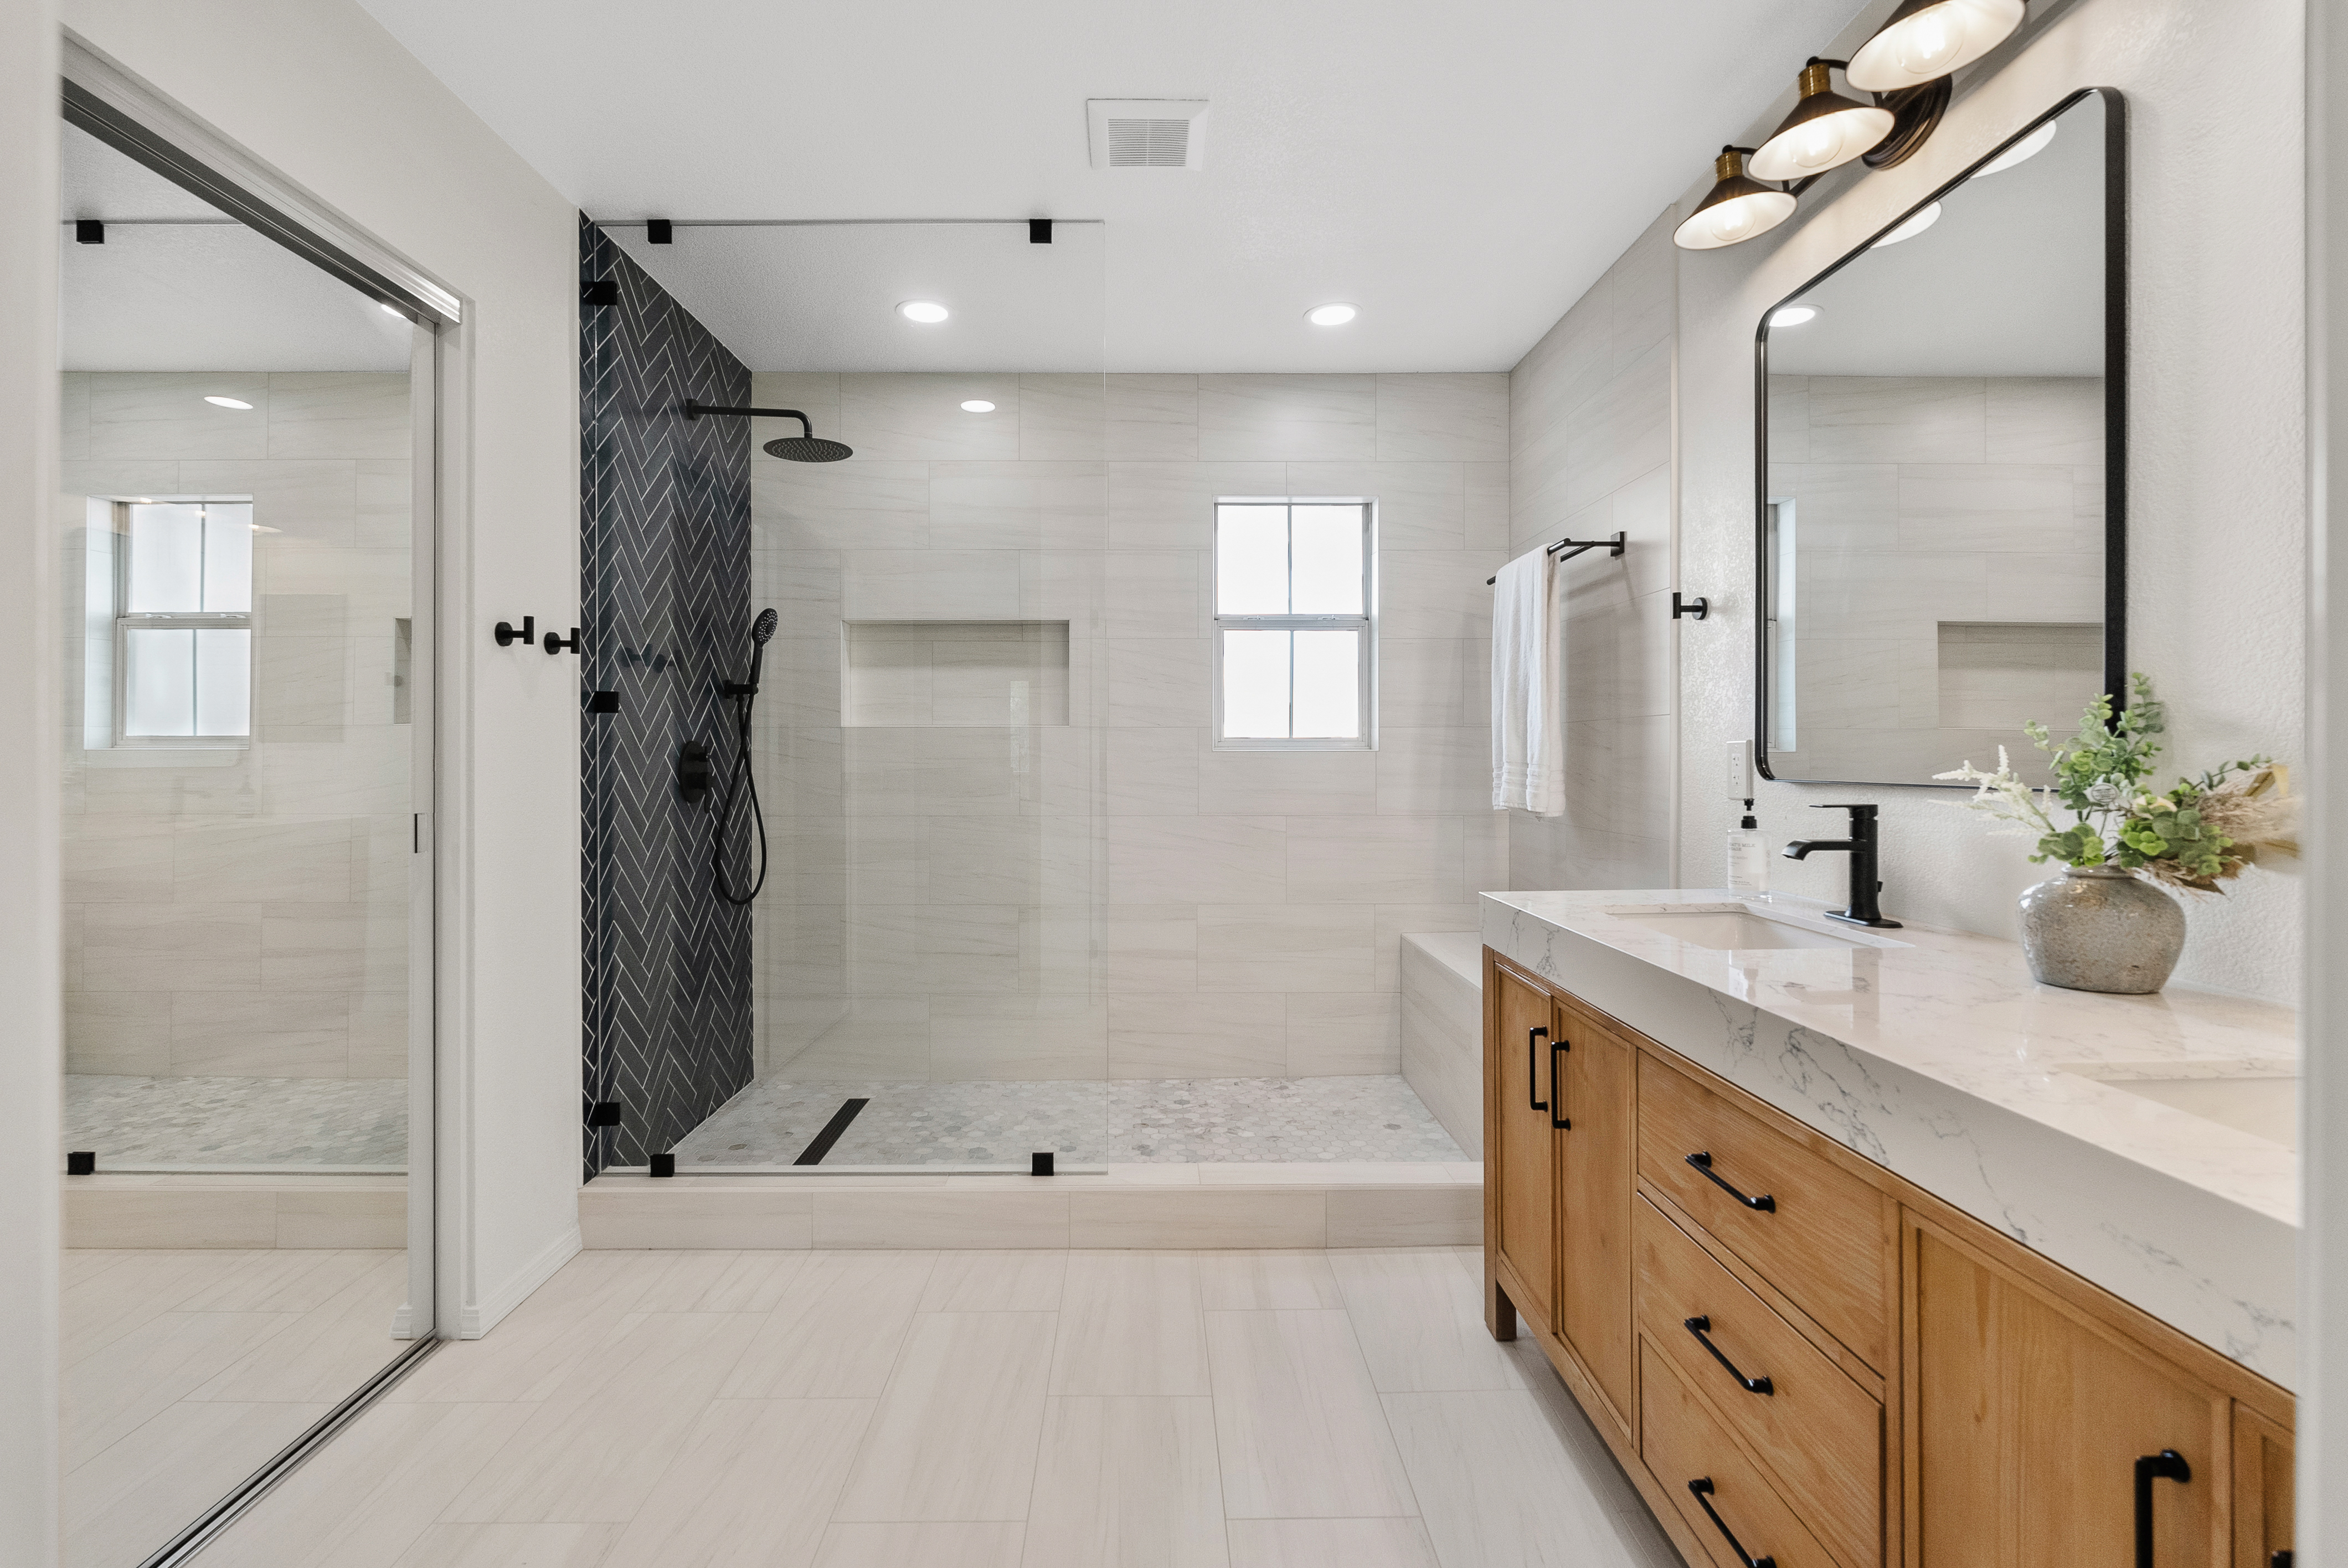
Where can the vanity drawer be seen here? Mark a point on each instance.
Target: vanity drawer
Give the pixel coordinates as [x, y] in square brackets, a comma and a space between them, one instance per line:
[1682, 1442]
[1820, 1432]
[1809, 1227]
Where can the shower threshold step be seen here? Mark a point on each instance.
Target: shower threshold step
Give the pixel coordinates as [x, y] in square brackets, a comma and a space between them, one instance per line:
[1283, 1204]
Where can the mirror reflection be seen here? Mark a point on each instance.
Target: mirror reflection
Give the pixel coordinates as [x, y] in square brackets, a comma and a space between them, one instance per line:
[1933, 522]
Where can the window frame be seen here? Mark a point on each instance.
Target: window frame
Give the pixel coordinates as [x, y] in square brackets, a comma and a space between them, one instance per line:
[126, 621]
[1365, 623]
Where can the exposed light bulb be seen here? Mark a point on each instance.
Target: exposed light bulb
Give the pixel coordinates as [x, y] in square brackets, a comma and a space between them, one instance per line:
[1924, 45]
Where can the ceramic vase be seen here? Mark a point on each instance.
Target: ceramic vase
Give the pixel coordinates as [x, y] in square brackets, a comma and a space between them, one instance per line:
[2100, 929]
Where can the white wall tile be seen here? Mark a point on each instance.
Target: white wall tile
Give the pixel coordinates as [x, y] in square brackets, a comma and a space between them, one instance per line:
[1384, 859]
[1196, 860]
[917, 416]
[1447, 418]
[314, 414]
[1288, 783]
[1153, 418]
[1286, 948]
[1189, 1034]
[1290, 418]
[156, 415]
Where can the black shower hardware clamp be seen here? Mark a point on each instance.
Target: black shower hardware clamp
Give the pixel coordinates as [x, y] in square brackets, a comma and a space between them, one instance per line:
[507, 636]
[1612, 547]
[556, 643]
[1694, 608]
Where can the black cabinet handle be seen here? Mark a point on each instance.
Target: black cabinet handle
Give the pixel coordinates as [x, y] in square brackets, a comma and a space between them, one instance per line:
[1702, 1160]
[1700, 1327]
[1532, 1068]
[2166, 1465]
[1560, 1123]
[1702, 1487]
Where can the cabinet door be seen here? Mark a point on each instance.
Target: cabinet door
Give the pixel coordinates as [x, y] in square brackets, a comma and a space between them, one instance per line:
[2028, 1424]
[1594, 1075]
[2262, 1489]
[1520, 1145]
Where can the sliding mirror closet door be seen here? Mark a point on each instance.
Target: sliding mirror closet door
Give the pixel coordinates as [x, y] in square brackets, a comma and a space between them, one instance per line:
[247, 912]
[919, 981]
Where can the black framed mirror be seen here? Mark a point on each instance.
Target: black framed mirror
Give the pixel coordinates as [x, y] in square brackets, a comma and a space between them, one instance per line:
[1940, 471]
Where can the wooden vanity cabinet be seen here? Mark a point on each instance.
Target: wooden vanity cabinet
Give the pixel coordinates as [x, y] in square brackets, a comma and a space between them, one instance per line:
[1937, 1395]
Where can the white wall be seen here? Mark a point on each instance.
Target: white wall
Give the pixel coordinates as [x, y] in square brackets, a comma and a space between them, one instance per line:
[30, 1052]
[2216, 518]
[317, 89]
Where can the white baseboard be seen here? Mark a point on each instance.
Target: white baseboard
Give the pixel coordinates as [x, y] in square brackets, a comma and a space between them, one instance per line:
[478, 1319]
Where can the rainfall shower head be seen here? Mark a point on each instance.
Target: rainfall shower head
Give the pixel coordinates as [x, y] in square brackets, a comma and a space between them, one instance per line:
[808, 449]
[806, 446]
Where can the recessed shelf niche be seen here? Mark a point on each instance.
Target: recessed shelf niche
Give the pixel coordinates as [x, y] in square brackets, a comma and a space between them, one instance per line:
[953, 674]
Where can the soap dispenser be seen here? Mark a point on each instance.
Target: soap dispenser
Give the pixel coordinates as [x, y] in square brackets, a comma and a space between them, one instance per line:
[1748, 855]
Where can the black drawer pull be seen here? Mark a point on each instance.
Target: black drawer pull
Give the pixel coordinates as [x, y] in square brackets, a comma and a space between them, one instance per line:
[1560, 1123]
[2166, 1465]
[1702, 1487]
[1532, 1068]
[1702, 1160]
[1700, 1326]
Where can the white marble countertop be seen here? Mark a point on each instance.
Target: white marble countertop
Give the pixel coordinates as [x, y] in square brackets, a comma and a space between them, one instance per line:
[1936, 1056]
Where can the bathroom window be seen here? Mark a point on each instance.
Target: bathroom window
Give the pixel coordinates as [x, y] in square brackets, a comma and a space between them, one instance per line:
[183, 623]
[1295, 596]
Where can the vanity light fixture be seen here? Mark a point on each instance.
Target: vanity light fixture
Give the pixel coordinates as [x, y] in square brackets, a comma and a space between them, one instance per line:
[927, 313]
[228, 402]
[1927, 39]
[1737, 207]
[1793, 315]
[1909, 229]
[2029, 146]
[1824, 131]
[978, 406]
[1331, 315]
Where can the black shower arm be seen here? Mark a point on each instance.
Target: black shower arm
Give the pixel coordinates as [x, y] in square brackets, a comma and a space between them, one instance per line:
[695, 410]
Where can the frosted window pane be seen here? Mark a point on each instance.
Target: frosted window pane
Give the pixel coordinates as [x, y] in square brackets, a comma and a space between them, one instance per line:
[223, 682]
[1255, 685]
[1328, 686]
[1251, 560]
[159, 684]
[167, 556]
[228, 557]
[1328, 557]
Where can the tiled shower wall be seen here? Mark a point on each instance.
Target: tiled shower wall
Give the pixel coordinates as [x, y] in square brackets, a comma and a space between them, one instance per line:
[244, 912]
[1113, 895]
[1590, 412]
[1923, 505]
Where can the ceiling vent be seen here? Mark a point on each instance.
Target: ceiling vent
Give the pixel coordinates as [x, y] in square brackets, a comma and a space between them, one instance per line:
[1147, 133]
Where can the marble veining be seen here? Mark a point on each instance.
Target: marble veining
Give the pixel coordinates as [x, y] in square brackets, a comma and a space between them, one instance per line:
[1941, 1061]
[1154, 1121]
[197, 1121]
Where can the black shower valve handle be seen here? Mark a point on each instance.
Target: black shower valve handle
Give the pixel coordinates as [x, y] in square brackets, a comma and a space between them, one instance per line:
[507, 634]
[556, 644]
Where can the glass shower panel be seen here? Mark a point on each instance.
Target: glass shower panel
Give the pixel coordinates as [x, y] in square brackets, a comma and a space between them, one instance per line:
[240, 876]
[930, 735]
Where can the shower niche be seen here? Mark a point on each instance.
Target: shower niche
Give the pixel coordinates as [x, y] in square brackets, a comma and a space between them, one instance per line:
[953, 674]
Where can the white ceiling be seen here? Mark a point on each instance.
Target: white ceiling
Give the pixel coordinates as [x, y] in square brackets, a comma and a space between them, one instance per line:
[1462, 173]
[2008, 282]
[204, 295]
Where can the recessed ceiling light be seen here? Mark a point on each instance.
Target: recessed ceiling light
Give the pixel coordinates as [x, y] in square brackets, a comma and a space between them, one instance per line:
[1913, 227]
[929, 313]
[978, 406]
[2030, 146]
[1793, 315]
[228, 402]
[1331, 315]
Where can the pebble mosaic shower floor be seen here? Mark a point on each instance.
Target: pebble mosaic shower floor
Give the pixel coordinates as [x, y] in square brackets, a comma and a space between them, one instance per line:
[214, 1121]
[1174, 1121]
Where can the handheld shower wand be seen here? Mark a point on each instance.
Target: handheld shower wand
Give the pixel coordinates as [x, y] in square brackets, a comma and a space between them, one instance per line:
[739, 780]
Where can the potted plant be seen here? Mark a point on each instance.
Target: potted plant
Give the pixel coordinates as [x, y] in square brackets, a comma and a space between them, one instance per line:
[2104, 925]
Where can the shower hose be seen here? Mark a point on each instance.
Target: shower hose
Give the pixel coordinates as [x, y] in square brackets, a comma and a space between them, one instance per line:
[739, 781]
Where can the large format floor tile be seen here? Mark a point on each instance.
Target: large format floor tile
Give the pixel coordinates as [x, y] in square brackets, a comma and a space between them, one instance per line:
[960, 1409]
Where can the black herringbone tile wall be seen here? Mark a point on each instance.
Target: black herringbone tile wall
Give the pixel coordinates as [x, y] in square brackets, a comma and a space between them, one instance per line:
[665, 567]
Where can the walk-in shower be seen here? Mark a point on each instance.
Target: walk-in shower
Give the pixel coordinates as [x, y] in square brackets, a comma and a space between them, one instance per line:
[1018, 903]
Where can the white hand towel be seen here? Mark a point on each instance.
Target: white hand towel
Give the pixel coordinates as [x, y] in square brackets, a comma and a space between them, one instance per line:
[1528, 671]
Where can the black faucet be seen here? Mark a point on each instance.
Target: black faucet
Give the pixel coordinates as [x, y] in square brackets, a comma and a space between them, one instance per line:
[1860, 846]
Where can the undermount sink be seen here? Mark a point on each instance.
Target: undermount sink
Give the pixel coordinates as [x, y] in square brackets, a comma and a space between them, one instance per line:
[1739, 927]
[2263, 1104]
